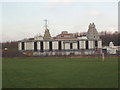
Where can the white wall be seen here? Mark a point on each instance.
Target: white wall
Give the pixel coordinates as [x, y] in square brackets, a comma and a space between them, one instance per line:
[29, 45]
[25, 46]
[55, 45]
[67, 46]
[46, 45]
[91, 44]
[75, 46]
[111, 50]
[82, 44]
[62, 45]
[99, 44]
[38, 45]
[19, 46]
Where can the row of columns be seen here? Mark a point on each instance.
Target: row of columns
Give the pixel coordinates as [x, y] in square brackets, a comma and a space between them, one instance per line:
[59, 45]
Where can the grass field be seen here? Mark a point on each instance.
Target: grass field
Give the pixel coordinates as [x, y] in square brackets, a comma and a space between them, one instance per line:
[59, 72]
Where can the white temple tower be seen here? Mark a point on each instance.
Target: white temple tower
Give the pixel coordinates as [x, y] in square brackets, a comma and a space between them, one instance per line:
[92, 32]
[47, 35]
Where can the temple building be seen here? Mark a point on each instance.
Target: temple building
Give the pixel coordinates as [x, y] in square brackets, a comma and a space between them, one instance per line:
[62, 44]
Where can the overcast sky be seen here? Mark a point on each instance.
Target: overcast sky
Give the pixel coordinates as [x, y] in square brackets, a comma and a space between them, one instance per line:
[26, 19]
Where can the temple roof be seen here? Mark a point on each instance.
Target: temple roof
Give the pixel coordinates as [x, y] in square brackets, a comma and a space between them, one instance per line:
[65, 38]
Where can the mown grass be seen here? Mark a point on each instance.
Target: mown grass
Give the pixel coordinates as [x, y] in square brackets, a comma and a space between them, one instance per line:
[59, 72]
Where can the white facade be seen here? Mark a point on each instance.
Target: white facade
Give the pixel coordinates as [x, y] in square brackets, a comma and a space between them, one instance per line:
[46, 45]
[99, 44]
[25, 47]
[67, 46]
[75, 46]
[29, 46]
[82, 44]
[55, 45]
[91, 44]
[19, 46]
[111, 51]
[38, 45]
[63, 45]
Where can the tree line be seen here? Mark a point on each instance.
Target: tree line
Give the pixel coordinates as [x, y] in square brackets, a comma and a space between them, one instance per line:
[110, 37]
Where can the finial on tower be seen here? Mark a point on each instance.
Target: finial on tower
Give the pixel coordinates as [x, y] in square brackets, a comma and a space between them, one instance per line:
[46, 23]
[92, 25]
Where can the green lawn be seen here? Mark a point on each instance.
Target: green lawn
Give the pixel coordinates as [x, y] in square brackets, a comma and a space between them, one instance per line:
[60, 72]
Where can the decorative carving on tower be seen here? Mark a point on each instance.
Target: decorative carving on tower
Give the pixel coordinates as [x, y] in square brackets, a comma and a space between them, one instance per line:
[92, 32]
[47, 35]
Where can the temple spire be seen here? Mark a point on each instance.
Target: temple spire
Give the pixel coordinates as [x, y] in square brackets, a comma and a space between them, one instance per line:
[47, 35]
[46, 21]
